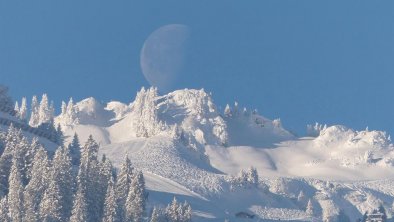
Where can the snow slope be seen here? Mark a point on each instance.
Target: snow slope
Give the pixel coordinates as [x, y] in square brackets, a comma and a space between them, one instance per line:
[194, 152]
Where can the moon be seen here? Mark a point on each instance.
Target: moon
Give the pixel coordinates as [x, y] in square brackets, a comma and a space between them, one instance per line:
[163, 55]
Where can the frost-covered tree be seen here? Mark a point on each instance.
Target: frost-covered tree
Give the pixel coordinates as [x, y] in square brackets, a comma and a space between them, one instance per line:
[63, 108]
[110, 205]
[155, 215]
[277, 123]
[80, 209]
[144, 107]
[71, 113]
[50, 206]
[75, 150]
[4, 211]
[88, 178]
[124, 179]
[252, 176]
[62, 176]
[301, 198]
[44, 111]
[15, 194]
[135, 203]
[35, 190]
[309, 208]
[219, 130]
[16, 108]
[17, 147]
[227, 111]
[59, 135]
[176, 212]
[34, 113]
[314, 130]
[22, 114]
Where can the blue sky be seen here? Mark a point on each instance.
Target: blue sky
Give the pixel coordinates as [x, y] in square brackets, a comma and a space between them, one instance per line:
[302, 61]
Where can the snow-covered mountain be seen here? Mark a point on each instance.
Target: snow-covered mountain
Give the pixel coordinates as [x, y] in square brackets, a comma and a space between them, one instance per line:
[188, 148]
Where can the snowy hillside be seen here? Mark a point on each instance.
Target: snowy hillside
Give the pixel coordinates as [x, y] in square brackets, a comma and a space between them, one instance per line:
[188, 148]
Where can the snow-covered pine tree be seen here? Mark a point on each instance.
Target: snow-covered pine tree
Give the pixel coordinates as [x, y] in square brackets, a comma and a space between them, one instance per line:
[88, 177]
[16, 108]
[71, 116]
[309, 208]
[59, 135]
[4, 212]
[187, 212]
[75, 150]
[44, 111]
[155, 215]
[63, 109]
[23, 110]
[144, 108]
[123, 186]
[135, 203]
[35, 190]
[105, 175]
[80, 210]
[15, 194]
[12, 138]
[252, 177]
[110, 206]
[50, 206]
[34, 114]
[227, 111]
[62, 176]
[301, 198]
[172, 211]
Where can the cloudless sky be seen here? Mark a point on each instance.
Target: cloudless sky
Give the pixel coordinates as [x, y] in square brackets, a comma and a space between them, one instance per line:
[301, 61]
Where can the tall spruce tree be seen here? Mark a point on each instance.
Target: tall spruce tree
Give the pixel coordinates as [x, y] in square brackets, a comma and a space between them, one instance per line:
[34, 113]
[15, 195]
[75, 150]
[80, 210]
[123, 186]
[4, 211]
[35, 190]
[135, 203]
[110, 205]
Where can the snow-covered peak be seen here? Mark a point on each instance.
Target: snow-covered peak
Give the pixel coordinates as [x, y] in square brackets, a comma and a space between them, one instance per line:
[195, 102]
[91, 111]
[339, 135]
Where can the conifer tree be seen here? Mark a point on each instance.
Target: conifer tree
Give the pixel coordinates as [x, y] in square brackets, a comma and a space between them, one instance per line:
[88, 177]
[110, 206]
[123, 186]
[35, 190]
[227, 111]
[75, 150]
[34, 114]
[135, 203]
[155, 215]
[4, 212]
[23, 110]
[15, 195]
[44, 111]
[309, 208]
[80, 211]
[50, 206]
[16, 108]
[11, 138]
[62, 176]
